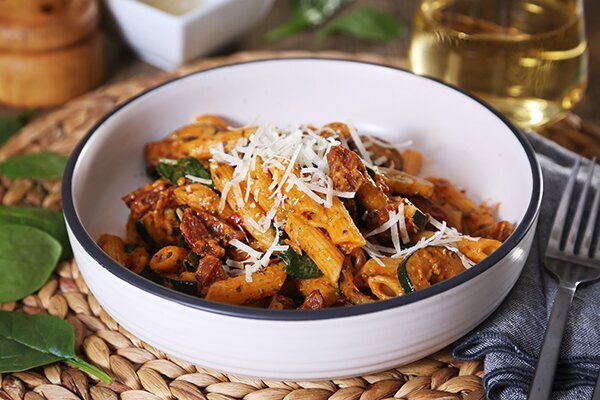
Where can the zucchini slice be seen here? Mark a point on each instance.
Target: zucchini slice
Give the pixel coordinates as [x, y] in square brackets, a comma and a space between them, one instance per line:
[419, 219]
[428, 266]
[152, 275]
[184, 286]
[403, 277]
[184, 282]
[191, 262]
[140, 227]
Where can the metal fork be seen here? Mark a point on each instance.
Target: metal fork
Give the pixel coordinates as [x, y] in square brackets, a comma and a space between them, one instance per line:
[572, 262]
[596, 394]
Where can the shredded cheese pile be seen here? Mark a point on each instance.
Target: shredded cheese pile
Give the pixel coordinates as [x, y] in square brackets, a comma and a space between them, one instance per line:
[445, 236]
[301, 154]
[301, 149]
[362, 142]
[256, 259]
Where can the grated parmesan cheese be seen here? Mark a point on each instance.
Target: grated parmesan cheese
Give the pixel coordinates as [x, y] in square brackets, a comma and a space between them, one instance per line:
[445, 236]
[301, 148]
[199, 180]
[256, 260]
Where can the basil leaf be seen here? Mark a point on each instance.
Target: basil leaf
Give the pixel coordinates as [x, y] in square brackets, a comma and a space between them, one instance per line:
[305, 14]
[49, 221]
[365, 23]
[42, 165]
[29, 341]
[299, 266]
[151, 173]
[11, 124]
[27, 258]
[175, 169]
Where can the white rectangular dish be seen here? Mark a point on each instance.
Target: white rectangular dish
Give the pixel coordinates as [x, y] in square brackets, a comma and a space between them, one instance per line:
[167, 40]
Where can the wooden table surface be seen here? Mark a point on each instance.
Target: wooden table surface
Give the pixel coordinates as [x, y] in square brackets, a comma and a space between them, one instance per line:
[125, 65]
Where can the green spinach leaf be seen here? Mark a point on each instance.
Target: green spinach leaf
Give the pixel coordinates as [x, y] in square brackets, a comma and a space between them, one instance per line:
[28, 341]
[27, 258]
[42, 165]
[365, 24]
[49, 221]
[151, 172]
[175, 169]
[9, 125]
[299, 266]
[305, 14]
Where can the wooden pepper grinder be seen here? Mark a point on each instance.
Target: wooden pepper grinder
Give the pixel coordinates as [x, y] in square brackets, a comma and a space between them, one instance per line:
[50, 51]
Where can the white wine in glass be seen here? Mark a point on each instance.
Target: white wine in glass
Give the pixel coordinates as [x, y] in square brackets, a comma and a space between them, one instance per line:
[527, 58]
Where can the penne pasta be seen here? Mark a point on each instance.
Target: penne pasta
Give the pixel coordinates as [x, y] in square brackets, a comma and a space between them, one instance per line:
[237, 290]
[335, 219]
[316, 245]
[250, 213]
[114, 246]
[213, 120]
[385, 287]
[341, 229]
[201, 147]
[350, 290]
[478, 250]
[322, 284]
[373, 268]
[300, 218]
[411, 161]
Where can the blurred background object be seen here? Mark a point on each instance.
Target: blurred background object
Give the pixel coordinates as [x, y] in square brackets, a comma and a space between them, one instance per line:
[351, 35]
[168, 33]
[528, 58]
[50, 51]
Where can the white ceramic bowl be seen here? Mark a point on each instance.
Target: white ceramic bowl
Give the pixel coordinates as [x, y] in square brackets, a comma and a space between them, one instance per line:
[461, 138]
[167, 41]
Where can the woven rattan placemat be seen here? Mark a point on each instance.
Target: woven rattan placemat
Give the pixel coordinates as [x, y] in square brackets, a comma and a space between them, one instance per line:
[139, 370]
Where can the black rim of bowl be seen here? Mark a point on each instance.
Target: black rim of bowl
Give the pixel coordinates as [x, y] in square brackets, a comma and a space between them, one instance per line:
[123, 273]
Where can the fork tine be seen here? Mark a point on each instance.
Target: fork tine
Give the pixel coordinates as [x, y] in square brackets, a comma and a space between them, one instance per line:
[586, 242]
[576, 224]
[563, 209]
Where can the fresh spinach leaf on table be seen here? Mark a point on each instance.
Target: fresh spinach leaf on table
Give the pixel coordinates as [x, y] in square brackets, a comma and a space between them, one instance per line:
[27, 258]
[29, 341]
[49, 221]
[365, 24]
[305, 14]
[299, 266]
[175, 169]
[11, 124]
[42, 165]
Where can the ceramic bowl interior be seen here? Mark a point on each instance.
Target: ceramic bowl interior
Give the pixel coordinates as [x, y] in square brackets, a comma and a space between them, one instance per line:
[460, 138]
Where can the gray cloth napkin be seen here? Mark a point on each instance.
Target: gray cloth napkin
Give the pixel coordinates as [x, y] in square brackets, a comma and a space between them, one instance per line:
[510, 339]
